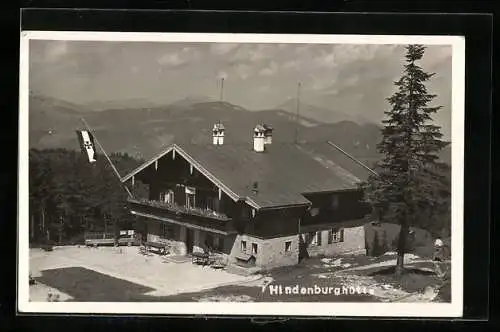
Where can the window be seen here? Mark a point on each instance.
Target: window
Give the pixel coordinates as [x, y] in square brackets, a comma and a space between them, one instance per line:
[254, 248]
[190, 201]
[314, 212]
[335, 236]
[335, 201]
[316, 238]
[288, 246]
[167, 196]
[243, 246]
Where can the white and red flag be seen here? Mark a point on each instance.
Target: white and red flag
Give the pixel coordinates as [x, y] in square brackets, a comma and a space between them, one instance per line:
[87, 144]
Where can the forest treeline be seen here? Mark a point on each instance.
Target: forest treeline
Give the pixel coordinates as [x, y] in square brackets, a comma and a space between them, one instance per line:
[68, 195]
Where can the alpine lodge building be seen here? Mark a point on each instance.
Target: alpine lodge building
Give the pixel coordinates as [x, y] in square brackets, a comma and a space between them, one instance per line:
[260, 204]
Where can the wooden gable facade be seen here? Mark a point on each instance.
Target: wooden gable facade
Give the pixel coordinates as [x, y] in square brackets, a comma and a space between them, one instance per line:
[191, 209]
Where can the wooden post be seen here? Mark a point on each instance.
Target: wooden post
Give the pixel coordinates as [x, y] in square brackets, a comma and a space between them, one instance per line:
[60, 228]
[32, 226]
[43, 218]
[105, 225]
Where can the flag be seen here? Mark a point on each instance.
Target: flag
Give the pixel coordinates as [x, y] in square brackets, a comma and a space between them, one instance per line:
[87, 144]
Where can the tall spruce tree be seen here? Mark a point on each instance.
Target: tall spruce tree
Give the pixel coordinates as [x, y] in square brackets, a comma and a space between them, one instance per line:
[411, 182]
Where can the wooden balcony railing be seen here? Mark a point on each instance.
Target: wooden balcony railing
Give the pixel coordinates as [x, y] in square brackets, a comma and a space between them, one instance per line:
[178, 209]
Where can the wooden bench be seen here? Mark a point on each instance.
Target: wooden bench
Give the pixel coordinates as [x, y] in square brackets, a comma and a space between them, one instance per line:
[200, 258]
[160, 248]
[95, 239]
[218, 263]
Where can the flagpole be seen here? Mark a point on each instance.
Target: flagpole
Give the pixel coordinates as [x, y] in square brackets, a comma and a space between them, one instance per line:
[106, 155]
[353, 159]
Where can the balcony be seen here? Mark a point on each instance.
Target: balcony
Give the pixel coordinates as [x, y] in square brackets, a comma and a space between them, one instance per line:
[182, 210]
[192, 218]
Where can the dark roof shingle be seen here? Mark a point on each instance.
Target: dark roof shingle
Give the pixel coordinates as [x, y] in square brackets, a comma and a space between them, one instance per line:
[281, 174]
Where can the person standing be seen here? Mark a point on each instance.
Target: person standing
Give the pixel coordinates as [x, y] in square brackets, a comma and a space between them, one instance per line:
[438, 257]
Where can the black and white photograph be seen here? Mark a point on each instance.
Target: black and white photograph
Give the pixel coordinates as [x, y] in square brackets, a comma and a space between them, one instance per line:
[168, 173]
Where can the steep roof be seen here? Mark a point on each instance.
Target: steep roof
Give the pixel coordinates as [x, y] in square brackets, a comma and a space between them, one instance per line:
[278, 176]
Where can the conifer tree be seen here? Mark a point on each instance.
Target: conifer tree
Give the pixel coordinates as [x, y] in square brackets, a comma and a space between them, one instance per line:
[411, 182]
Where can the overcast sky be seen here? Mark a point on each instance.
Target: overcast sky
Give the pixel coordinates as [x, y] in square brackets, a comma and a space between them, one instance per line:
[347, 78]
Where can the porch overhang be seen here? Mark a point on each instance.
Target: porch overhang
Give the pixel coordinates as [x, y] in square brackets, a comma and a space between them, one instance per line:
[181, 223]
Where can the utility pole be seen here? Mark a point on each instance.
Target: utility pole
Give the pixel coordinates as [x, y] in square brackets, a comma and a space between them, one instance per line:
[296, 140]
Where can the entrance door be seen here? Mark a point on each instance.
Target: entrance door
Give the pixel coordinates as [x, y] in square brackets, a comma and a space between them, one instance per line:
[189, 240]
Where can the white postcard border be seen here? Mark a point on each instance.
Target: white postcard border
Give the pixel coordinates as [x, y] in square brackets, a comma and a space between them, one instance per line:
[453, 309]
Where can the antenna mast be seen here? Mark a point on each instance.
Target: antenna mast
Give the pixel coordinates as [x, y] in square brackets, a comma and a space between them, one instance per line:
[297, 114]
[222, 89]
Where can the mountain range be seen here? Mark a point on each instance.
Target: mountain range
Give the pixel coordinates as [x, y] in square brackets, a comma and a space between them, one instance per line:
[146, 130]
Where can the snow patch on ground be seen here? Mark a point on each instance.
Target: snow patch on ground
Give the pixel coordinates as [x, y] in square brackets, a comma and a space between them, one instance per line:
[258, 282]
[328, 262]
[392, 262]
[227, 298]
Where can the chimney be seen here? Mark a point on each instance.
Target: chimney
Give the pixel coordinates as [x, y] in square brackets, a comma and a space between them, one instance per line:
[218, 134]
[268, 134]
[259, 138]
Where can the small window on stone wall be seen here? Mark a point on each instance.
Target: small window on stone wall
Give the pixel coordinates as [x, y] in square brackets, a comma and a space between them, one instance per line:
[254, 248]
[315, 238]
[288, 246]
[243, 246]
[335, 235]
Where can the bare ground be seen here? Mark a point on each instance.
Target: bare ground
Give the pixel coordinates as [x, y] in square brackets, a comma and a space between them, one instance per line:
[105, 274]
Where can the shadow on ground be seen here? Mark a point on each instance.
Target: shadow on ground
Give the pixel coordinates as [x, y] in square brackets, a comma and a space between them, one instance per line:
[413, 279]
[85, 285]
